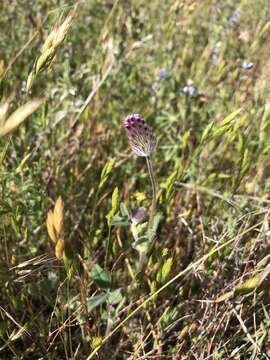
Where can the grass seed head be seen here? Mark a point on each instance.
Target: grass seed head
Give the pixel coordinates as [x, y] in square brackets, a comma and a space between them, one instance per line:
[55, 226]
[59, 248]
[50, 226]
[58, 216]
[49, 48]
[45, 59]
[61, 32]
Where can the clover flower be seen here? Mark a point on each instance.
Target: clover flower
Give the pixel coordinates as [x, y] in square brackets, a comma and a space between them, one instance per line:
[141, 138]
[143, 143]
[139, 215]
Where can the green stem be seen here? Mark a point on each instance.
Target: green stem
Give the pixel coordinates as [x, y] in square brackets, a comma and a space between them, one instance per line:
[108, 246]
[69, 323]
[143, 254]
[154, 191]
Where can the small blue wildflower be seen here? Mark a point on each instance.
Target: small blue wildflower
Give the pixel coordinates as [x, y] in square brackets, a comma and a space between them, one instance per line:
[235, 16]
[163, 74]
[154, 87]
[190, 90]
[246, 66]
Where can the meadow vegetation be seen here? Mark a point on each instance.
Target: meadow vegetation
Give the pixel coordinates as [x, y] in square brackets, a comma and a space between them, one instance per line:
[80, 277]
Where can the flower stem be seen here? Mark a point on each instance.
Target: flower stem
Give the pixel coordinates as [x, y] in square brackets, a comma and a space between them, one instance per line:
[143, 254]
[154, 191]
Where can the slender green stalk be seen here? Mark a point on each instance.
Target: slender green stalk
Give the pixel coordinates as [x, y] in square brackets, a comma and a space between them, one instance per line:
[154, 190]
[143, 253]
[108, 246]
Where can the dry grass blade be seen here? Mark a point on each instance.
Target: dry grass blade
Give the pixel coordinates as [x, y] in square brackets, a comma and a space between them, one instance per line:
[19, 116]
[3, 111]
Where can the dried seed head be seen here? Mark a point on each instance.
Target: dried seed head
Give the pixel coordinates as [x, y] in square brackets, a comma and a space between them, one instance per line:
[58, 215]
[55, 226]
[141, 138]
[50, 226]
[59, 248]
[49, 48]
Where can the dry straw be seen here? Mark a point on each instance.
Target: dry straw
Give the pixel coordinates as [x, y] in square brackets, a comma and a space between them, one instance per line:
[19, 116]
[55, 226]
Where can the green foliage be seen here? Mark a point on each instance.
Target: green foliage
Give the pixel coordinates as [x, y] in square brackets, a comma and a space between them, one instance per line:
[101, 277]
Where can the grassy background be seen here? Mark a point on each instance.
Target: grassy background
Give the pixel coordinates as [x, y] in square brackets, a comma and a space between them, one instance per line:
[135, 57]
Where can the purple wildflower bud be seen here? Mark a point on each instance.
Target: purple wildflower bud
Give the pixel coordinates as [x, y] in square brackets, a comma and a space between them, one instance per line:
[141, 138]
[139, 215]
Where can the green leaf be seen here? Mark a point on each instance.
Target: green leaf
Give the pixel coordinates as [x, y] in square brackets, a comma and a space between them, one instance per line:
[124, 210]
[119, 220]
[101, 277]
[248, 286]
[153, 230]
[115, 297]
[96, 301]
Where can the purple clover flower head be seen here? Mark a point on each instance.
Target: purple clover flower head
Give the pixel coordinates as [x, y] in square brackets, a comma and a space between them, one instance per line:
[141, 138]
